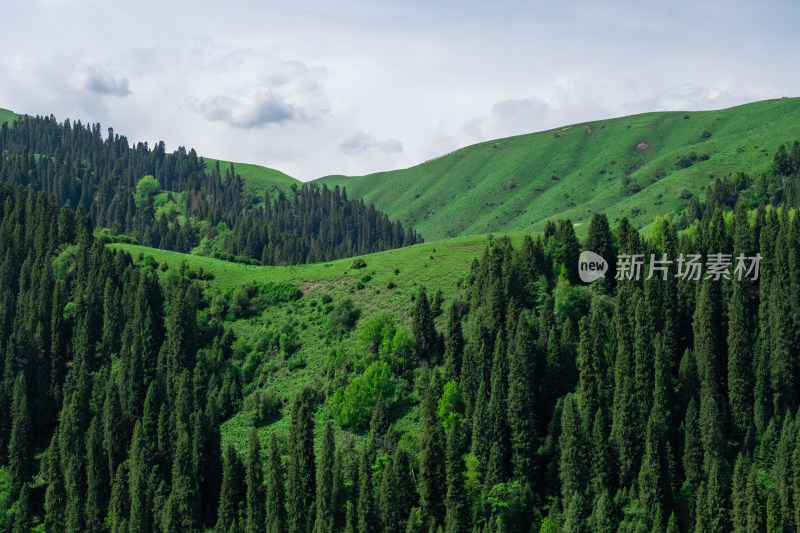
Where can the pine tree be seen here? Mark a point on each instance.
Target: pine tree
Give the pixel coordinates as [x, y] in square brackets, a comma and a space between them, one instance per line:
[55, 499]
[423, 329]
[276, 512]
[456, 514]
[367, 517]
[453, 343]
[431, 477]
[572, 462]
[120, 501]
[521, 401]
[302, 465]
[739, 494]
[19, 446]
[325, 482]
[232, 493]
[255, 486]
[98, 479]
[23, 513]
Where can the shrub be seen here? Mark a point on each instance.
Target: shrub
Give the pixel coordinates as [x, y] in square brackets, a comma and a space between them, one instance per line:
[706, 134]
[343, 317]
[352, 405]
[684, 194]
[358, 262]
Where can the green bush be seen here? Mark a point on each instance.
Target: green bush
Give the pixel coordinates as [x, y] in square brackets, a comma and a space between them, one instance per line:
[352, 405]
[358, 263]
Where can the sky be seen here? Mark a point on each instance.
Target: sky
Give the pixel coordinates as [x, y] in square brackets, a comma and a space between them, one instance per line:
[355, 87]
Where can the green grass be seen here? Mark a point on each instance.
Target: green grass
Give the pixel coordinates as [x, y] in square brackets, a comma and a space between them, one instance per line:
[506, 185]
[437, 266]
[8, 116]
[258, 179]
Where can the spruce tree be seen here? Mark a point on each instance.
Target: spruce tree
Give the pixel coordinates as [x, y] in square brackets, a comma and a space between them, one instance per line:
[572, 462]
[23, 512]
[367, 517]
[456, 511]
[19, 446]
[120, 501]
[431, 477]
[453, 343]
[302, 465]
[521, 402]
[232, 492]
[255, 485]
[325, 483]
[276, 512]
[425, 343]
[98, 479]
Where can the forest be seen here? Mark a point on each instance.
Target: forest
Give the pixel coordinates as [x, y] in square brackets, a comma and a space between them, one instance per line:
[543, 404]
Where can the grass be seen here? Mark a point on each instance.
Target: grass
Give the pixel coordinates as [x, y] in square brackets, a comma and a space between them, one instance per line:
[8, 116]
[518, 183]
[437, 266]
[258, 179]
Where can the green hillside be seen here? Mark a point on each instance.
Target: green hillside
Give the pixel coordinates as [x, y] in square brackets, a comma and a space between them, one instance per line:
[517, 183]
[7, 115]
[258, 179]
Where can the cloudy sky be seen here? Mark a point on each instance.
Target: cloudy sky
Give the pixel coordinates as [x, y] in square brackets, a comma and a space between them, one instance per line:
[351, 87]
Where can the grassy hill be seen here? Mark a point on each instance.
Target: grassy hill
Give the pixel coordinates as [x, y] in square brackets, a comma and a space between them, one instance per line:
[258, 179]
[389, 282]
[7, 115]
[517, 183]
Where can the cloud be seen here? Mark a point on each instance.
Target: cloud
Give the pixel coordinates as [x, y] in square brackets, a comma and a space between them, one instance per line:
[690, 96]
[98, 80]
[528, 110]
[360, 142]
[256, 109]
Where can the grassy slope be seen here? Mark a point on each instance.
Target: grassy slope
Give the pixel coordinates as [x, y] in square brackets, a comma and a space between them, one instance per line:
[467, 192]
[436, 265]
[258, 179]
[7, 116]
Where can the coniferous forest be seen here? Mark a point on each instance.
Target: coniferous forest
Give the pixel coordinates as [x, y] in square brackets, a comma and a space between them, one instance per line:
[657, 403]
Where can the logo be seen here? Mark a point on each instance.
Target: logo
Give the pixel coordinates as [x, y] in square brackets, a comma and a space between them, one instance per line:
[591, 266]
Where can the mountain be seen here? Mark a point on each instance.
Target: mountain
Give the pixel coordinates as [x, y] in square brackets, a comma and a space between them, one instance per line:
[629, 166]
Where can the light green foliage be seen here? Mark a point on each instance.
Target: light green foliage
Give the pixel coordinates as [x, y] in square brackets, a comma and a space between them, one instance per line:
[376, 329]
[352, 405]
[451, 406]
[146, 188]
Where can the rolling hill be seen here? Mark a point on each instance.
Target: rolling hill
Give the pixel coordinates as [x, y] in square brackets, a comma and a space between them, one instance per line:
[517, 183]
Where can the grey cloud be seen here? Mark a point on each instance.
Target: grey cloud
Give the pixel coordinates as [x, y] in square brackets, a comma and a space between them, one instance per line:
[258, 109]
[361, 142]
[690, 96]
[525, 111]
[98, 80]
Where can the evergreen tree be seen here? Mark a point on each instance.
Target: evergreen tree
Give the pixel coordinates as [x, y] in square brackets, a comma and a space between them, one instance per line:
[19, 446]
[431, 477]
[367, 517]
[232, 492]
[425, 343]
[98, 479]
[572, 462]
[120, 501]
[23, 512]
[453, 343]
[521, 401]
[302, 465]
[255, 486]
[456, 515]
[325, 483]
[276, 512]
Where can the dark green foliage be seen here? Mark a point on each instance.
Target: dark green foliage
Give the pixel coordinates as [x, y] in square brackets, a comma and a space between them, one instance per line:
[233, 491]
[456, 515]
[365, 510]
[425, 340]
[302, 465]
[431, 479]
[276, 511]
[325, 503]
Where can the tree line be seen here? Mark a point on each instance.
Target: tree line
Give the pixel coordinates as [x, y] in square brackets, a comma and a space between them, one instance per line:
[107, 178]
